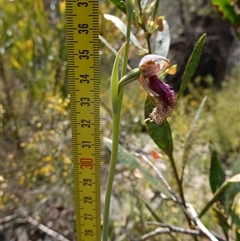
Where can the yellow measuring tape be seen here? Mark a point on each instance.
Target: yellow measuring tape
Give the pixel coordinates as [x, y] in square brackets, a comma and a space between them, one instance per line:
[83, 63]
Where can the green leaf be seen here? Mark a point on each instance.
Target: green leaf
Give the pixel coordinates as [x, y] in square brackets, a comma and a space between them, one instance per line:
[237, 231]
[120, 4]
[191, 135]
[235, 207]
[161, 134]
[228, 11]
[115, 80]
[192, 64]
[220, 191]
[232, 204]
[129, 161]
[217, 174]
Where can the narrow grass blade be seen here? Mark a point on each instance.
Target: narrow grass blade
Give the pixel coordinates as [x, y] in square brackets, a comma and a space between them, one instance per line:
[191, 135]
[192, 64]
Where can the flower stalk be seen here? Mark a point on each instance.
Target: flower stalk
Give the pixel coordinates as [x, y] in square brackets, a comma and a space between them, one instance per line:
[116, 98]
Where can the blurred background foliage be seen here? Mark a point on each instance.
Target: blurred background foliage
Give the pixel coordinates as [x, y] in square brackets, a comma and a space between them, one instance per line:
[36, 170]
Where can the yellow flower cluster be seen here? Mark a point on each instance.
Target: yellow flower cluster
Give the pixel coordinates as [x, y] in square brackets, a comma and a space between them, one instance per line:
[57, 105]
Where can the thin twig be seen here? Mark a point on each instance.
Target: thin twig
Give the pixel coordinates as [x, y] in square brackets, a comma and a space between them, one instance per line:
[158, 231]
[199, 223]
[161, 177]
[190, 212]
[181, 230]
[8, 219]
[45, 229]
[22, 213]
[167, 186]
[175, 229]
[179, 183]
[158, 219]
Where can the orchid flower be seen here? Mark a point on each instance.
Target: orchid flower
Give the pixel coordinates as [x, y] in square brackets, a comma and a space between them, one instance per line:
[151, 66]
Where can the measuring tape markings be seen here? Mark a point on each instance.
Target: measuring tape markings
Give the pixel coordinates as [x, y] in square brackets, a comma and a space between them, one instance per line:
[83, 61]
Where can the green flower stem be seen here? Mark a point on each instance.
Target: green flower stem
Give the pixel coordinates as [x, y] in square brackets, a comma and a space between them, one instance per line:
[113, 160]
[130, 8]
[117, 106]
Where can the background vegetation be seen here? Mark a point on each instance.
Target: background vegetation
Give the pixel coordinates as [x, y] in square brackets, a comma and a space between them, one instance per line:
[36, 170]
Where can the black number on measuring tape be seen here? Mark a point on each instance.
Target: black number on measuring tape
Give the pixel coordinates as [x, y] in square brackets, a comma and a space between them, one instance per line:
[87, 182]
[83, 78]
[85, 101]
[87, 216]
[88, 232]
[83, 54]
[86, 144]
[83, 28]
[88, 200]
[82, 4]
[85, 123]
